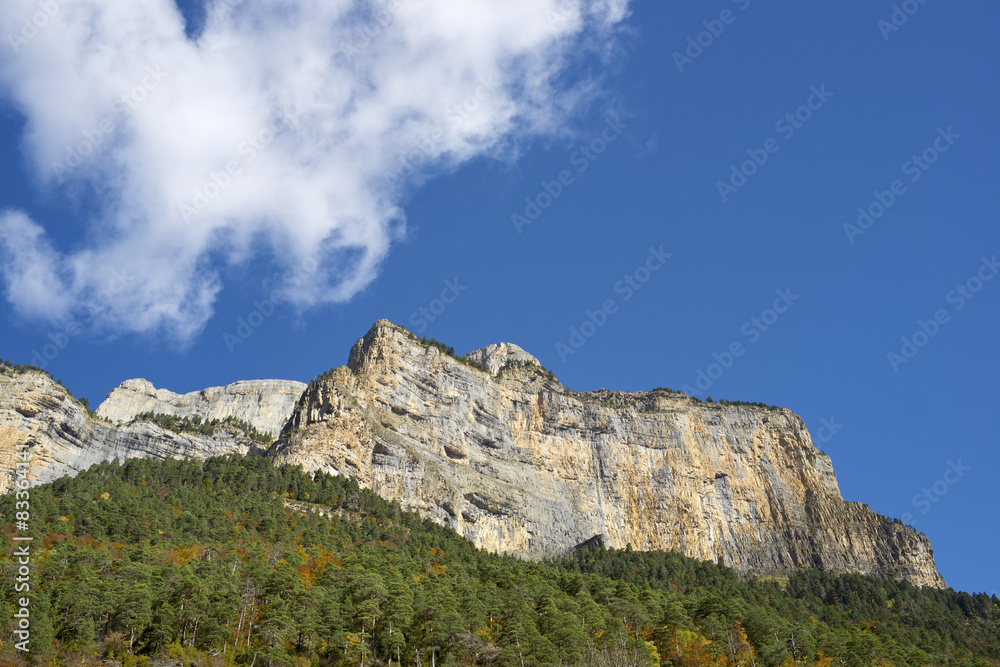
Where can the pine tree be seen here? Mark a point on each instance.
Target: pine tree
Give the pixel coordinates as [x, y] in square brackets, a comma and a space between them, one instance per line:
[398, 613]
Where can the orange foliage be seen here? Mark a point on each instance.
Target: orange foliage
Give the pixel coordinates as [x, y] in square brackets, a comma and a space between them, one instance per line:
[182, 555]
[823, 660]
[313, 570]
[684, 647]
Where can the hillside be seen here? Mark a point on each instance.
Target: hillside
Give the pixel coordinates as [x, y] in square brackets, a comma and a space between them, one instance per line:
[494, 446]
[155, 560]
[518, 463]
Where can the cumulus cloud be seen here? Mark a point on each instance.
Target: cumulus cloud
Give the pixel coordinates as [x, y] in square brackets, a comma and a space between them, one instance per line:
[295, 126]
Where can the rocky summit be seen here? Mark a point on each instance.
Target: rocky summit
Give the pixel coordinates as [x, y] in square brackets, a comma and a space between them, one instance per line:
[264, 404]
[494, 446]
[62, 438]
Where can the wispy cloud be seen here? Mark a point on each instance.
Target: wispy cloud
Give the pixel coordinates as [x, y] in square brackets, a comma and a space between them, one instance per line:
[285, 125]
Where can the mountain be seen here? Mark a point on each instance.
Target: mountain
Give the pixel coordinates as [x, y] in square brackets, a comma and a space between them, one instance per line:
[264, 404]
[493, 446]
[518, 463]
[63, 437]
[164, 563]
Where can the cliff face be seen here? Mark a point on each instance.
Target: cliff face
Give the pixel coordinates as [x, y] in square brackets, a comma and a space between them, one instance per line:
[508, 457]
[63, 439]
[264, 404]
[517, 463]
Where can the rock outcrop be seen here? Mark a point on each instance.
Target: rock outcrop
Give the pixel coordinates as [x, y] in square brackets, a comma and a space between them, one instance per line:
[519, 464]
[507, 456]
[63, 439]
[264, 404]
[496, 356]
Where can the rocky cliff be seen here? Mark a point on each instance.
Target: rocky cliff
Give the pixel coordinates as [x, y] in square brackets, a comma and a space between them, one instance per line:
[63, 439]
[494, 446]
[264, 404]
[519, 464]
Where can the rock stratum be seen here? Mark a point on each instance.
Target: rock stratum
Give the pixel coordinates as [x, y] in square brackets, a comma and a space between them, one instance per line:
[264, 404]
[519, 464]
[508, 457]
[61, 438]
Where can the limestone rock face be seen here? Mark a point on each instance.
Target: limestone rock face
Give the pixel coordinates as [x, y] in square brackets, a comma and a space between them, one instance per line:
[519, 464]
[495, 356]
[264, 404]
[510, 458]
[62, 439]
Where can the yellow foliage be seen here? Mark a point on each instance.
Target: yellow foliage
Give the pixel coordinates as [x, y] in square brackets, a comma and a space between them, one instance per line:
[485, 635]
[132, 660]
[687, 647]
[740, 649]
[823, 660]
[654, 655]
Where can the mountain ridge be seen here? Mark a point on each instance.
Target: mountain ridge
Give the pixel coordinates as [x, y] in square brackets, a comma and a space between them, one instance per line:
[518, 463]
[495, 447]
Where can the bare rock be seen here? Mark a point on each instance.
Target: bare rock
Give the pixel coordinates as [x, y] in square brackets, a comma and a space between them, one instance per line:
[58, 436]
[264, 404]
[519, 464]
[497, 355]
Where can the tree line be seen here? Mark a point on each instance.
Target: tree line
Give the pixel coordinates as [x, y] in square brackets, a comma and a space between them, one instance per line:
[237, 561]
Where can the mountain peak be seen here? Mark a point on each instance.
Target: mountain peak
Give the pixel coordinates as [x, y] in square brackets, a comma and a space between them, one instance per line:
[496, 355]
[264, 404]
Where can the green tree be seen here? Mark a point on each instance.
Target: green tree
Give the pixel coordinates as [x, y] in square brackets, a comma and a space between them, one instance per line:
[398, 613]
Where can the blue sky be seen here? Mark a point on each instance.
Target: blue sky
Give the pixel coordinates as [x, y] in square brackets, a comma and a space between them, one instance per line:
[549, 210]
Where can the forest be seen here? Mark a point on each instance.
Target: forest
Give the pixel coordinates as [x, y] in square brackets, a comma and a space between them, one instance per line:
[237, 561]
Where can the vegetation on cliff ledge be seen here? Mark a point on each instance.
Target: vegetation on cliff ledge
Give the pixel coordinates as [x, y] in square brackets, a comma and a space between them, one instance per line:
[234, 561]
[205, 427]
[448, 350]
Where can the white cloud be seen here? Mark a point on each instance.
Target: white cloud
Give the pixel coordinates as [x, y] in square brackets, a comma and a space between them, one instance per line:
[294, 123]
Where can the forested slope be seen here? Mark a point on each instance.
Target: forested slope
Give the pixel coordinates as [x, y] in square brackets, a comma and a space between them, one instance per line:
[236, 561]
